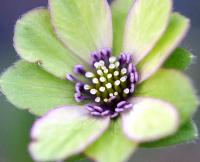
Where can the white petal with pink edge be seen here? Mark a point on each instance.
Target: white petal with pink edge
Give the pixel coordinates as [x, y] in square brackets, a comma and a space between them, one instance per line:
[150, 119]
[146, 22]
[174, 34]
[84, 26]
[64, 132]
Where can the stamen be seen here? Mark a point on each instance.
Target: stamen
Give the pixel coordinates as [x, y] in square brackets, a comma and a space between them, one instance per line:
[105, 71]
[86, 87]
[101, 63]
[79, 87]
[123, 71]
[109, 76]
[136, 77]
[112, 59]
[102, 89]
[114, 115]
[96, 65]
[117, 64]
[89, 75]
[116, 73]
[109, 83]
[126, 91]
[97, 99]
[96, 113]
[95, 81]
[98, 108]
[111, 94]
[79, 69]
[105, 100]
[132, 88]
[102, 79]
[79, 98]
[71, 78]
[105, 113]
[123, 79]
[117, 82]
[116, 93]
[93, 91]
[111, 66]
[99, 72]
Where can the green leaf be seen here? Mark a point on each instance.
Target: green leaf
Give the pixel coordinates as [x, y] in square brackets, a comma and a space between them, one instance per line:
[150, 119]
[64, 132]
[174, 87]
[78, 158]
[187, 133]
[112, 146]
[27, 86]
[176, 30]
[120, 9]
[145, 24]
[35, 41]
[180, 59]
[84, 26]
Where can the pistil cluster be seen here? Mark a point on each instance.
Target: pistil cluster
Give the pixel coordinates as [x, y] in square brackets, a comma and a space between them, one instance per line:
[108, 84]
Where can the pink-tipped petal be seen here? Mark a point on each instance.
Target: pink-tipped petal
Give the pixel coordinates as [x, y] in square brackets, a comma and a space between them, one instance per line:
[35, 41]
[146, 22]
[64, 132]
[150, 119]
[174, 34]
[84, 26]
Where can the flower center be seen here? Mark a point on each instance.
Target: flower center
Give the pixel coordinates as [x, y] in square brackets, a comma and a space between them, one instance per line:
[109, 84]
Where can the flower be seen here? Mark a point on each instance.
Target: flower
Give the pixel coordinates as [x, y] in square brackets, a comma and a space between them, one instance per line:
[104, 78]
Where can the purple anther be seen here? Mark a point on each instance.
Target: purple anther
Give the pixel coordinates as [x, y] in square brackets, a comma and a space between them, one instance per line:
[122, 59]
[108, 53]
[136, 76]
[121, 104]
[132, 88]
[112, 98]
[130, 67]
[128, 106]
[128, 58]
[119, 109]
[89, 108]
[134, 69]
[71, 78]
[78, 97]
[95, 113]
[114, 115]
[79, 69]
[132, 78]
[95, 57]
[105, 113]
[79, 87]
[104, 55]
[101, 63]
[97, 108]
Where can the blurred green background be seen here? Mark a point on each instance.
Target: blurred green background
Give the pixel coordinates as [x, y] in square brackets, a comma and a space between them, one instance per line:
[15, 124]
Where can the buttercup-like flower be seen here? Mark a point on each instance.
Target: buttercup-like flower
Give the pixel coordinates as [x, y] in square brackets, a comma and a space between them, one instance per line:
[102, 78]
